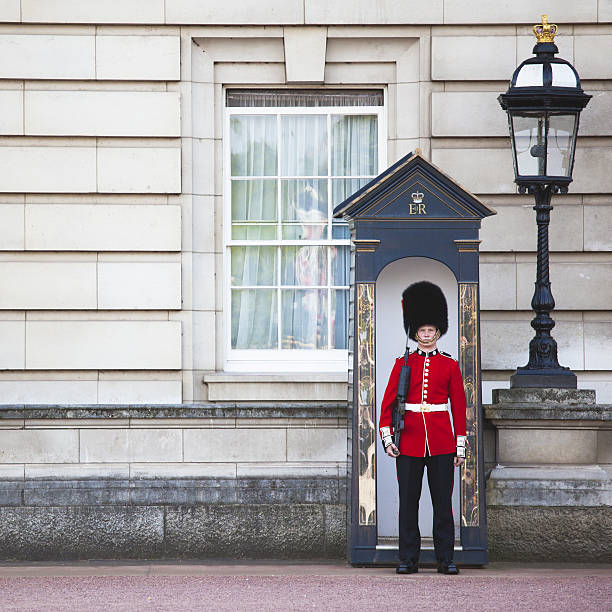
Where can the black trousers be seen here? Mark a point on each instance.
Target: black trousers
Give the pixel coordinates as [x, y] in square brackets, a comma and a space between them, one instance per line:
[440, 476]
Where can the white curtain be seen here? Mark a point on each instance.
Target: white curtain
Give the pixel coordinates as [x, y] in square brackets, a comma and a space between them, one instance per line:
[293, 296]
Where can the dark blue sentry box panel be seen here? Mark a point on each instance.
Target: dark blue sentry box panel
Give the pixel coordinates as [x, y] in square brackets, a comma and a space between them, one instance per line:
[412, 209]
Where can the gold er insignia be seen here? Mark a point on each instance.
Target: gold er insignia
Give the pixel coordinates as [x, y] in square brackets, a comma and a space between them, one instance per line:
[545, 32]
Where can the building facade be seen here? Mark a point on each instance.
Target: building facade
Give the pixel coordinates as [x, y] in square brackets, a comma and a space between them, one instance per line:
[174, 303]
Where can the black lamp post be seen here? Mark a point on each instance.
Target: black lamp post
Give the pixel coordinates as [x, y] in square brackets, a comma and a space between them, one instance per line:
[543, 103]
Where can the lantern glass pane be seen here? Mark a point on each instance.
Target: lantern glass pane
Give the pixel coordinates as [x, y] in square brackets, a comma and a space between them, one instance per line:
[561, 139]
[529, 137]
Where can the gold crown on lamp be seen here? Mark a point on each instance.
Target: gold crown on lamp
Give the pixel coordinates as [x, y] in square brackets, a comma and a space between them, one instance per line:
[417, 197]
[545, 32]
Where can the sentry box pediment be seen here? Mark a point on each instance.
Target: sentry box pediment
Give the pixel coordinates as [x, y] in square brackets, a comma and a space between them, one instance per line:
[413, 209]
[417, 218]
[413, 190]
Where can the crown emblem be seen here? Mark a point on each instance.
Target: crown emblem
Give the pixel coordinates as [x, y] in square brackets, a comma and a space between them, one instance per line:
[417, 197]
[545, 32]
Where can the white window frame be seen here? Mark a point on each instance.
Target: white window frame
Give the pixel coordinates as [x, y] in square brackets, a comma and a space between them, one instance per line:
[283, 360]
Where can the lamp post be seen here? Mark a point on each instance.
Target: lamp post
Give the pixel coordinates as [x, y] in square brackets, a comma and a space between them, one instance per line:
[543, 104]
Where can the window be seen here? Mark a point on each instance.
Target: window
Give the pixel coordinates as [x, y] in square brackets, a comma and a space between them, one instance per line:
[291, 157]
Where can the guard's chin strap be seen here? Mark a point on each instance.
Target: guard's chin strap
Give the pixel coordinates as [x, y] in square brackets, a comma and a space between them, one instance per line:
[428, 342]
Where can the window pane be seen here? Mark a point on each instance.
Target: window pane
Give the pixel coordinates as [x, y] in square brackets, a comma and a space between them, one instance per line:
[304, 319]
[339, 318]
[254, 200]
[354, 145]
[253, 145]
[304, 145]
[253, 266]
[254, 231]
[344, 188]
[560, 133]
[340, 260]
[304, 265]
[254, 319]
[340, 230]
[529, 144]
[304, 209]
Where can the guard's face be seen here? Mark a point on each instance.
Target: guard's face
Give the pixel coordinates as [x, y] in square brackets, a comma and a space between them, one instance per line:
[427, 332]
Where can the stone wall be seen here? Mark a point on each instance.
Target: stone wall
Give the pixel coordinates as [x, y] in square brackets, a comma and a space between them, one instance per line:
[173, 481]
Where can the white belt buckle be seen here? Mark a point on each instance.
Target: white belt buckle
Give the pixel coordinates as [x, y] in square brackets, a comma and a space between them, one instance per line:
[425, 407]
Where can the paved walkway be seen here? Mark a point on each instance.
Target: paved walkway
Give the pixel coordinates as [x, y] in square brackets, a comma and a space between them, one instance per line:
[111, 586]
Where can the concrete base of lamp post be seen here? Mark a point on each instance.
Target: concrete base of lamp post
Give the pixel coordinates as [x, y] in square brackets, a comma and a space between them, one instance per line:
[549, 496]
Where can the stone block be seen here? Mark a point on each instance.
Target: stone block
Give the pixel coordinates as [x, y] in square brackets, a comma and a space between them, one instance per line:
[47, 56]
[549, 397]
[286, 469]
[382, 12]
[519, 12]
[48, 169]
[204, 334]
[70, 392]
[139, 392]
[202, 167]
[105, 345]
[203, 278]
[605, 11]
[514, 228]
[467, 113]
[139, 286]
[592, 170]
[407, 117]
[597, 339]
[130, 445]
[12, 234]
[472, 58]
[39, 446]
[210, 12]
[597, 228]
[102, 113]
[76, 471]
[103, 227]
[203, 224]
[235, 445]
[316, 445]
[92, 11]
[202, 111]
[12, 347]
[138, 58]
[82, 532]
[544, 533]
[38, 285]
[466, 167]
[182, 470]
[305, 53]
[546, 445]
[246, 531]
[139, 170]
[505, 344]
[11, 118]
[10, 11]
[576, 286]
[604, 446]
[589, 54]
[497, 286]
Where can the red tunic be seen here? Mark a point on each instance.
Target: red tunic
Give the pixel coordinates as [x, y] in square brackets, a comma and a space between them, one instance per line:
[434, 379]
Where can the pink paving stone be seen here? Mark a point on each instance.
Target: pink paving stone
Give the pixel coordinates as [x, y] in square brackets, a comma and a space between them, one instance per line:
[354, 592]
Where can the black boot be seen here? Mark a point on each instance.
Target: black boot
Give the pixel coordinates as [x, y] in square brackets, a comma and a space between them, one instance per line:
[448, 567]
[407, 567]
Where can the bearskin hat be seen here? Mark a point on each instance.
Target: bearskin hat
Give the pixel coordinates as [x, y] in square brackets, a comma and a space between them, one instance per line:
[424, 303]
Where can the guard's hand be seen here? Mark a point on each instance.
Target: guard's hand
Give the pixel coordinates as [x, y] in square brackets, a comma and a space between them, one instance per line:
[458, 461]
[392, 450]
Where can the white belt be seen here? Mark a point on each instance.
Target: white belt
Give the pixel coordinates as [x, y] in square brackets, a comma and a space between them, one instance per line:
[426, 407]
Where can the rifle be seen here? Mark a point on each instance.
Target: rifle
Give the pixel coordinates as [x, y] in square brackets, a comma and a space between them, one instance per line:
[400, 406]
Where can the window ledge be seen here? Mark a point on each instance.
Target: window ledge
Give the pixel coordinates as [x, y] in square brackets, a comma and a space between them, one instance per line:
[298, 386]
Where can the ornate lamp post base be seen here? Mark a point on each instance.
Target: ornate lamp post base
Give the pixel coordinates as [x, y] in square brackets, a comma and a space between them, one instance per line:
[543, 369]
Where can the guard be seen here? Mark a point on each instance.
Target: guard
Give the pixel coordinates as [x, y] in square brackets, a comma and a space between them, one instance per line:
[427, 438]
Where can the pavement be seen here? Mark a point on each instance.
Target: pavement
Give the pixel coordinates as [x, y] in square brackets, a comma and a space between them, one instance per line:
[256, 585]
